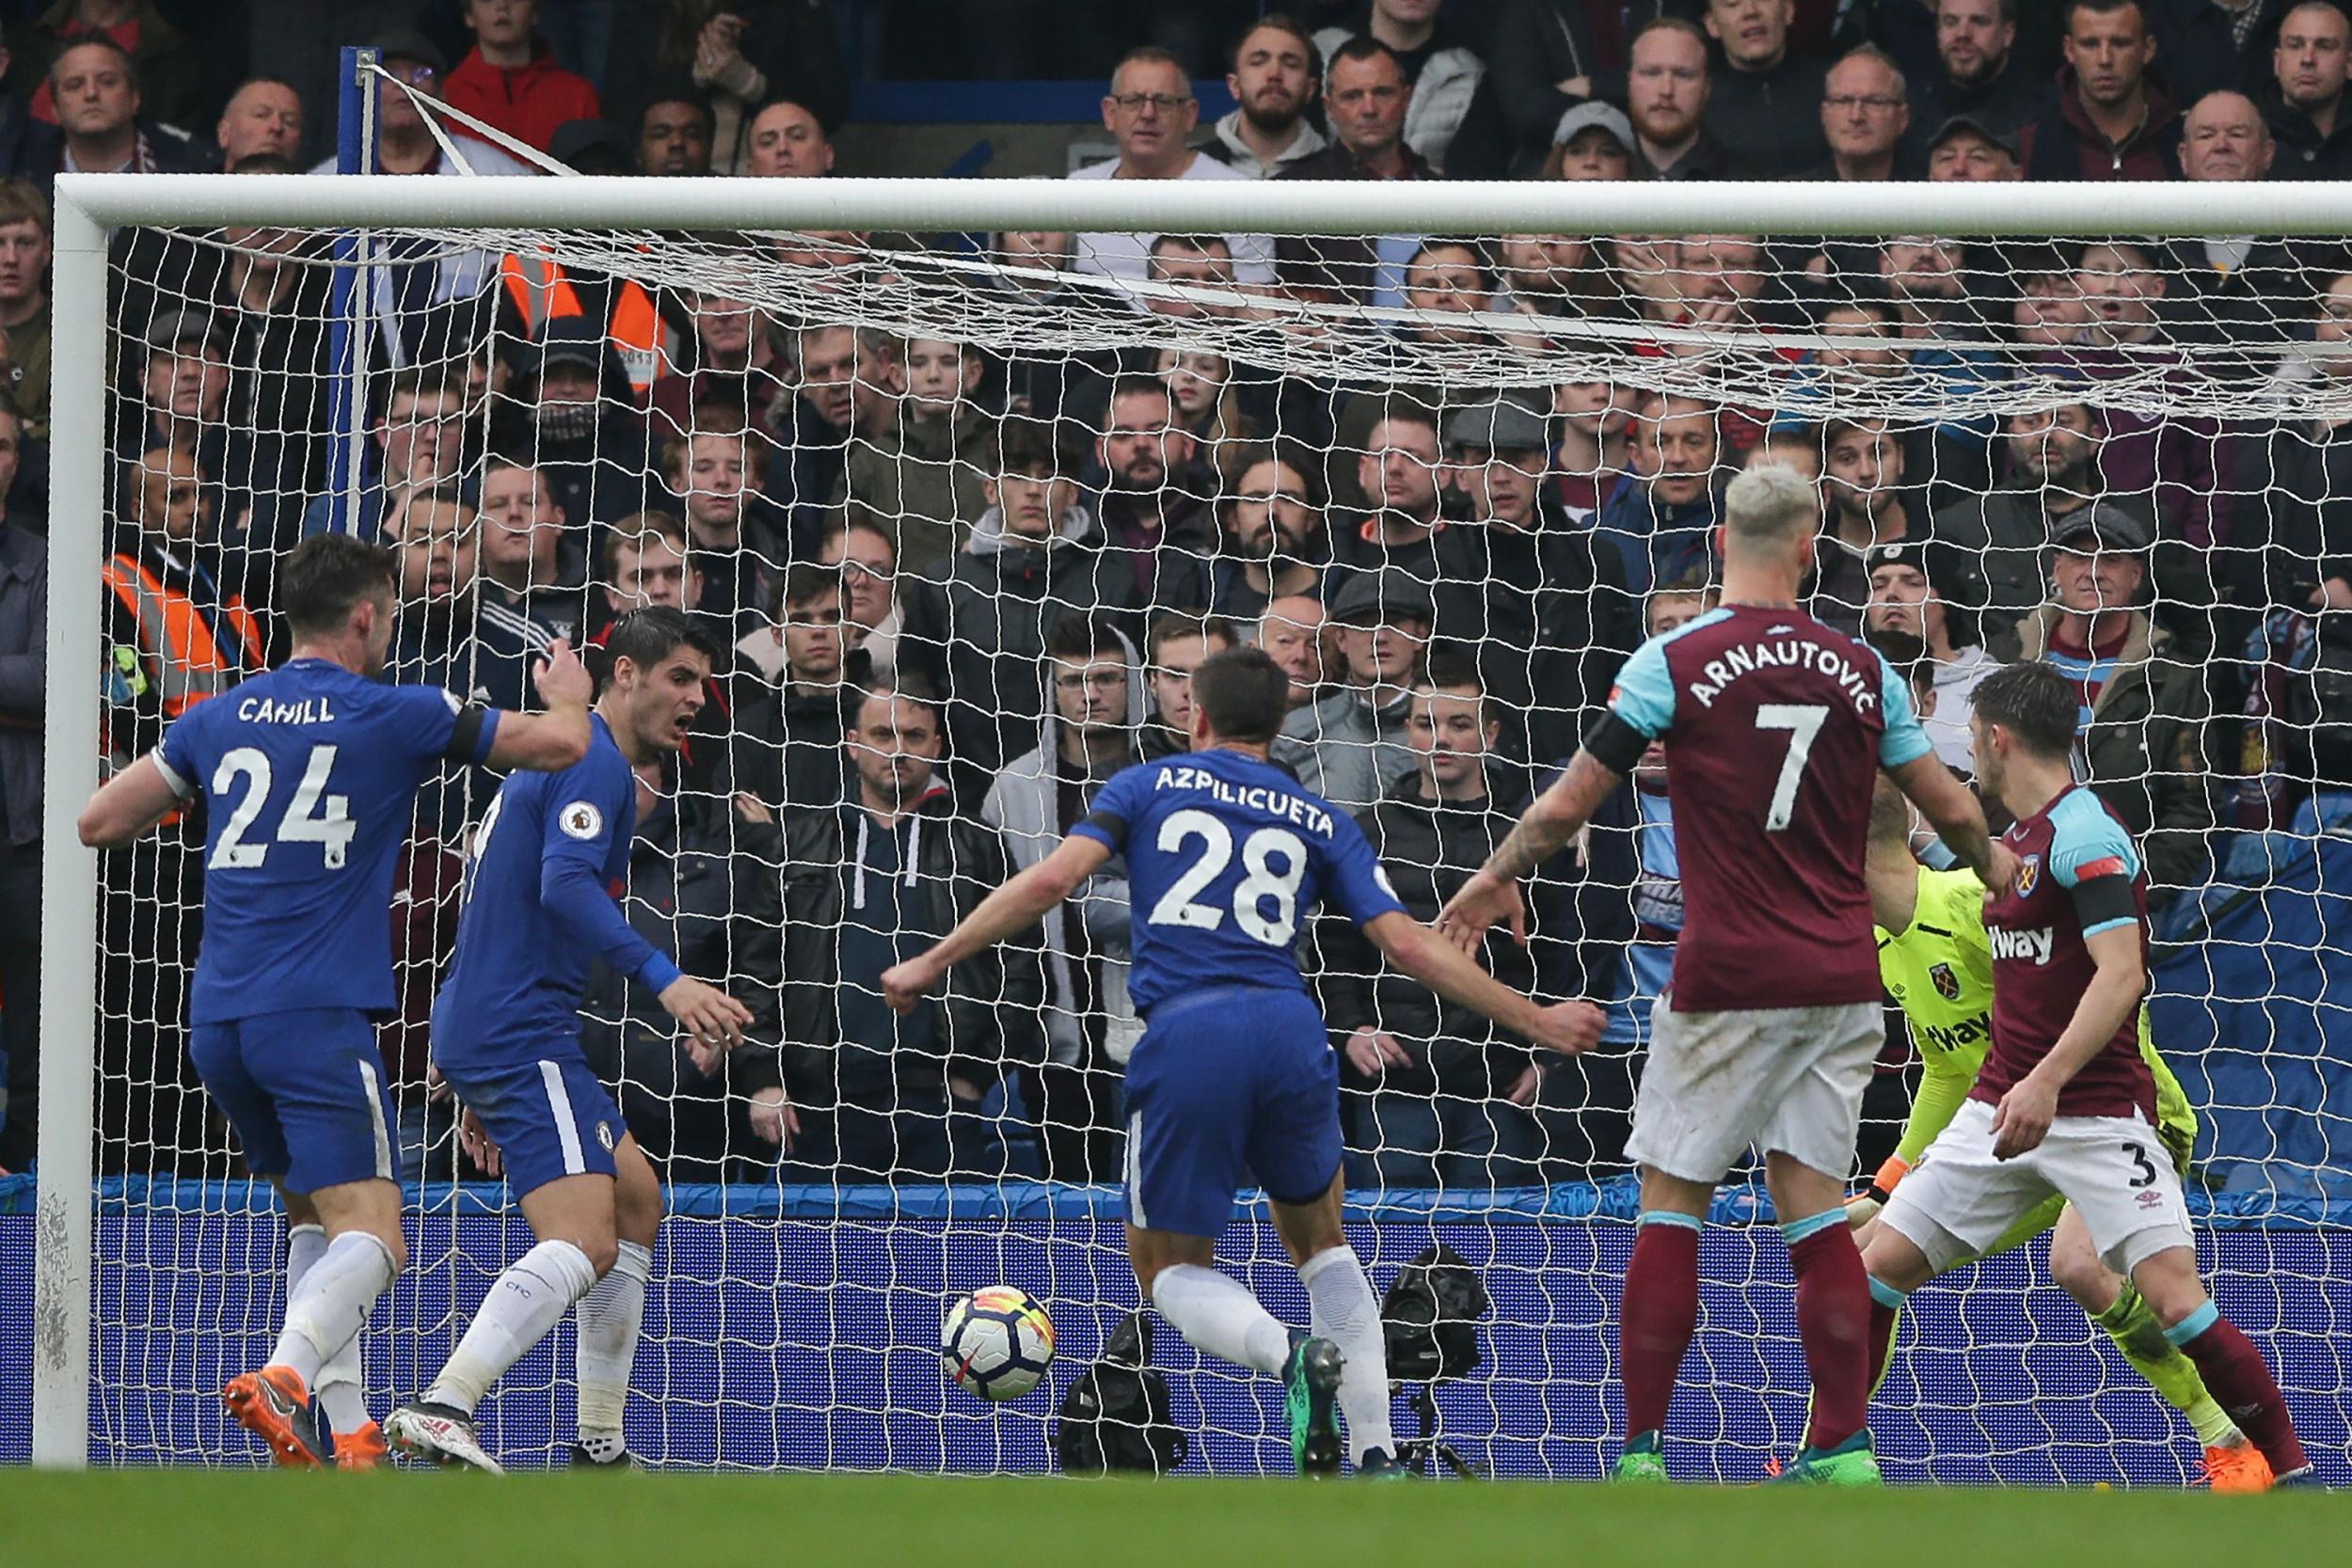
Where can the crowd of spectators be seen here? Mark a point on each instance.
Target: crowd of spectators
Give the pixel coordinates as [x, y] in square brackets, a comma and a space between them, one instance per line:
[957, 591]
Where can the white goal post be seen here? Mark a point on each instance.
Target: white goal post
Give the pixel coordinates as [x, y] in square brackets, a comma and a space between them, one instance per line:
[88, 207]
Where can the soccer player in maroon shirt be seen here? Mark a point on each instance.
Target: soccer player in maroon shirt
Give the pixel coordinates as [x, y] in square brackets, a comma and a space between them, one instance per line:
[2065, 1102]
[1776, 728]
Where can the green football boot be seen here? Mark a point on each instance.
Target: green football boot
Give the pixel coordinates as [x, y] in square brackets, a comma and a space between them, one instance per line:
[1852, 1462]
[1644, 1462]
[1311, 1382]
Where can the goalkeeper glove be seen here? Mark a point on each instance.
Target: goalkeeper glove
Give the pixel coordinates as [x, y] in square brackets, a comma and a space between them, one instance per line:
[1862, 1210]
[1882, 1184]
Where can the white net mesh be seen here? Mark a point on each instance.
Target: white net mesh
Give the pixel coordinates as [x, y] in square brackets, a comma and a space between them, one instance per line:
[1474, 469]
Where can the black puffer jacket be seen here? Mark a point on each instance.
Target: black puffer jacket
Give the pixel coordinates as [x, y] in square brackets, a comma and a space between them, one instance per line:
[599, 473]
[1772, 118]
[993, 1007]
[2145, 750]
[701, 888]
[786, 749]
[1538, 44]
[1429, 848]
[2293, 531]
[991, 619]
[1558, 625]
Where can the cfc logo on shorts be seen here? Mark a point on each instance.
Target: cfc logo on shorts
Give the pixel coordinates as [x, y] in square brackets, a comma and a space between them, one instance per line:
[580, 820]
[604, 1136]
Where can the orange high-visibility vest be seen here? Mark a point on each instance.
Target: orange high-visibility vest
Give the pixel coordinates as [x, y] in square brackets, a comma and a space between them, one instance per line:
[541, 293]
[191, 662]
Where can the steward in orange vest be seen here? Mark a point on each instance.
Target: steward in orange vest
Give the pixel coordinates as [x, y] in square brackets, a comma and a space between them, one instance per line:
[540, 291]
[176, 634]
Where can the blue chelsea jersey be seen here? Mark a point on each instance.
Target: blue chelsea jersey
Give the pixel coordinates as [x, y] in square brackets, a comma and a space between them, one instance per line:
[310, 775]
[1226, 855]
[537, 910]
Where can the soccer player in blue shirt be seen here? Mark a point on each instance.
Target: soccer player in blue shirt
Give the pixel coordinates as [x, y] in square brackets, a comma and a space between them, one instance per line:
[309, 774]
[1234, 1077]
[536, 911]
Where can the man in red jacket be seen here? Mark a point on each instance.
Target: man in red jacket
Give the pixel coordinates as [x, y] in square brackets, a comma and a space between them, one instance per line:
[510, 79]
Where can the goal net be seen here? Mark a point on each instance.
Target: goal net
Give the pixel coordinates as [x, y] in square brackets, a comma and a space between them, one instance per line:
[992, 453]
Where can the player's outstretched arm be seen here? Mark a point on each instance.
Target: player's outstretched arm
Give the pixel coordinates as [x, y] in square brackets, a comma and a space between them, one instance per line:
[552, 741]
[568, 889]
[1957, 816]
[1558, 815]
[2117, 986]
[1019, 904]
[126, 806]
[1420, 952]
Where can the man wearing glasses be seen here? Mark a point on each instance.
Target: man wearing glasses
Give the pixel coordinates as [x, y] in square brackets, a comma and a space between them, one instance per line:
[1151, 111]
[1866, 110]
[423, 273]
[1089, 735]
[403, 145]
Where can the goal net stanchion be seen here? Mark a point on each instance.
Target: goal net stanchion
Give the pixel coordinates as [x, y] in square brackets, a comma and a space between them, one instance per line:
[798, 1335]
[63, 1385]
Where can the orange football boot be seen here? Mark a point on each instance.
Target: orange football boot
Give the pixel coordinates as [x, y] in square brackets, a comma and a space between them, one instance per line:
[275, 1406]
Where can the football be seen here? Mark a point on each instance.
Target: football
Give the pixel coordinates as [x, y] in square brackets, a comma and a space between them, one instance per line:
[996, 1342]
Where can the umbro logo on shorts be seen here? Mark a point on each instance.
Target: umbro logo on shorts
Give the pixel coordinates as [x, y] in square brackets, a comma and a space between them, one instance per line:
[604, 1136]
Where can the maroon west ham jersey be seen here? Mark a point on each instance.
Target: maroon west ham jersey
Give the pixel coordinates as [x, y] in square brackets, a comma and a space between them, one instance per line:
[2078, 876]
[1775, 728]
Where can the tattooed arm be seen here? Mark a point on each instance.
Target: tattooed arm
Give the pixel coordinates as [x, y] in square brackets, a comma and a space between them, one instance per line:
[1558, 815]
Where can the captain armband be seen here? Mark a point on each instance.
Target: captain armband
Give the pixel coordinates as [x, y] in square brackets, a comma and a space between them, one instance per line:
[1615, 744]
[2105, 901]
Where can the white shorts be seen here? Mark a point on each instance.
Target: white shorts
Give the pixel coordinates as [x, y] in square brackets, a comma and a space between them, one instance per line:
[2114, 1170]
[1785, 1079]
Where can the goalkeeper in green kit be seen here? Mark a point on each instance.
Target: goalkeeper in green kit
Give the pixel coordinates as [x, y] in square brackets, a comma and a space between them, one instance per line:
[1937, 964]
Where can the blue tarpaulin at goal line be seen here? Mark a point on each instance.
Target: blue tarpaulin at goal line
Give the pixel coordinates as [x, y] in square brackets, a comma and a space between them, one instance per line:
[798, 1327]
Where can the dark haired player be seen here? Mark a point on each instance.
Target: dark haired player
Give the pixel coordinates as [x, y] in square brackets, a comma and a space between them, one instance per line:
[1776, 728]
[1936, 958]
[1234, 1077]
[2066, 1104]
[309, 776]
[535, 912]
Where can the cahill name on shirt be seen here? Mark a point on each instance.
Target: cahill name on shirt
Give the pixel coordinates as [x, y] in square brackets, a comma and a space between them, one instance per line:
[1787, 653]
[262, 710]
[1274, 802]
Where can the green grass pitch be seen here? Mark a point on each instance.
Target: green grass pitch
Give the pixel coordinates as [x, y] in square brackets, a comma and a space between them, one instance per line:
[185, 1519]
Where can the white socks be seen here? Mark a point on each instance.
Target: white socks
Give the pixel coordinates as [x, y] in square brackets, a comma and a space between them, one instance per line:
[328, 1303]
[523, 1307]
[1344, 1311]
[1217, 1316]
[610, 1318]
[338, 1385]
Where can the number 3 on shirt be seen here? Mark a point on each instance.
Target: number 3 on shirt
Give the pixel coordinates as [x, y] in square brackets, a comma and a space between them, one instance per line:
[1803, 721]
[1176, 905]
